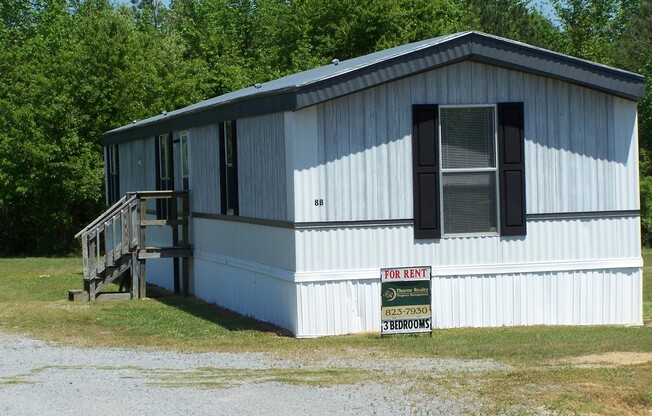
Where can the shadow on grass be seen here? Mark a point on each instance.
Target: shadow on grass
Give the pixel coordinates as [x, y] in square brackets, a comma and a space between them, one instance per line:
[225, 318]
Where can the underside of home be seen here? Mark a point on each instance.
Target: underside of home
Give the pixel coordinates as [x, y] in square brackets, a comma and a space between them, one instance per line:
[510, 170]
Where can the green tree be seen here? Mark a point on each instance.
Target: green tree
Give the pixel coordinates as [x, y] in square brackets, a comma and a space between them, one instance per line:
[321, 30]
[592, 27]
[76, 70]
[633, 51]
[512, 19]
[250, 41]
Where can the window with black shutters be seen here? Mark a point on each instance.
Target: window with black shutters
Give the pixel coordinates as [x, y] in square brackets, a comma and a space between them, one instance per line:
[468, 170]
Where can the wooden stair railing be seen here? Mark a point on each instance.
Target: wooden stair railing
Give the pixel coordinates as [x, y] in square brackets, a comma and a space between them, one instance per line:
[115, 243]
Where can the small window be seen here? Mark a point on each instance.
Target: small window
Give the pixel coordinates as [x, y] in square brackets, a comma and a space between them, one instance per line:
[164, 152]
[113, 174]
[185, 169]
[229, 168]
[469, 170]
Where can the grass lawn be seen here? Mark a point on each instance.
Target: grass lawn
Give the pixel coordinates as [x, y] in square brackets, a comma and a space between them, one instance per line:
[647, 283]
[545, 375]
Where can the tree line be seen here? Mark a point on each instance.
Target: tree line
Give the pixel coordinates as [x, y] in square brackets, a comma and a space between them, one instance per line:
[72, 69]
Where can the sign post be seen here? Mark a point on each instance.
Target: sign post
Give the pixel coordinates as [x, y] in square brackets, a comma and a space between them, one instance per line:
[405, 300]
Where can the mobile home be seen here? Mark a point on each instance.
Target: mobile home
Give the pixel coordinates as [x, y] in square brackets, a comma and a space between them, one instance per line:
[510, 170]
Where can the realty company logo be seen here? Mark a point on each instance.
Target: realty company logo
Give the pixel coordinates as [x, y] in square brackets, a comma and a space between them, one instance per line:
[390, 294]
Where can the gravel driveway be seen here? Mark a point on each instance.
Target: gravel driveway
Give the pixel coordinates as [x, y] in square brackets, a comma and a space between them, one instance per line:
[37, 378]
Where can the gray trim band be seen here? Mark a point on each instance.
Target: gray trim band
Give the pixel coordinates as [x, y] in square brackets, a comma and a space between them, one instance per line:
[584, 215]
[245, 220]
[316, 225]
[305, 225]
[354, 224]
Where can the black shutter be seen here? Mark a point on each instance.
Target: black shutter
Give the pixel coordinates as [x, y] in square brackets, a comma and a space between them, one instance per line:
[425, 168]
[157, 166]
[223, 202]
[116, 182]
[511, 168]
[233, 185]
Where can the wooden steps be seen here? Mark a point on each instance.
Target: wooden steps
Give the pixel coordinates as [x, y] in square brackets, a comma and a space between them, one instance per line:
[114, 247]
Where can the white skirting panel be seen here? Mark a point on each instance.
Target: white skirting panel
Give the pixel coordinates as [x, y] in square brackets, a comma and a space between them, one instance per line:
[160, 272]
[587, 297]
[333, 308]
[241, 288]
[265, 245]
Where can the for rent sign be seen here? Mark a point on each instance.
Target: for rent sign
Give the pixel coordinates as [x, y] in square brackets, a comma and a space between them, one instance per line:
[405, 303]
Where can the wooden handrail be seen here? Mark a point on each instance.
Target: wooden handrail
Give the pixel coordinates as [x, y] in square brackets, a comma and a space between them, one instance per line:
[106, 214]
[159, 194]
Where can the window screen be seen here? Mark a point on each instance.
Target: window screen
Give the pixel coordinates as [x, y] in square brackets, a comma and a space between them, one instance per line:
[469, 202]
[467, 137]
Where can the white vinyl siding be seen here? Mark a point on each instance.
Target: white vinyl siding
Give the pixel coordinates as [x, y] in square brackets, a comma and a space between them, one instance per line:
[204, 169]
[262, 179]
[580, 145]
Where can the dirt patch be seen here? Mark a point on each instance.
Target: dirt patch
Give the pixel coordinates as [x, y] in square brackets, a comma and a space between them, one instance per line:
[612, 358]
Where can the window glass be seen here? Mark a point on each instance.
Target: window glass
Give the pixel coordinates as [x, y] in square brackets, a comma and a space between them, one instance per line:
[468, 174]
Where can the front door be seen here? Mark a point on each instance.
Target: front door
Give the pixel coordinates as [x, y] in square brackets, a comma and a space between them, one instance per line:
[165, 174]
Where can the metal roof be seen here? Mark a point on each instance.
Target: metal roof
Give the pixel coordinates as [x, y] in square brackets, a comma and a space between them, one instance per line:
[310, 87]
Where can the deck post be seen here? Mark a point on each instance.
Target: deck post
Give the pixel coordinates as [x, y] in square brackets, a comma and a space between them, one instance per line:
[134, 271]
[185, 261]
[142, 292]
[85, 256]
[175, 243]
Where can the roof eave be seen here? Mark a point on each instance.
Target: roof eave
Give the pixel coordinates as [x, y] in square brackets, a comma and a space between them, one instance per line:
[279, 100]
[481, 48]
[474, 46]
